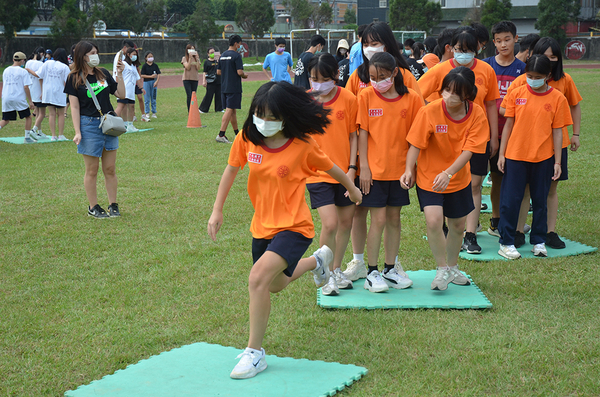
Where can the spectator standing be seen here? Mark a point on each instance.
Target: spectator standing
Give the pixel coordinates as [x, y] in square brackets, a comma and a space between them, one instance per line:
[15, 95]
[317, 42]
[212, 82]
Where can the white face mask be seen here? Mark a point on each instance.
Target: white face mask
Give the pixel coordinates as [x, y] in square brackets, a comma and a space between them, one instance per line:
[267, 128]
[323, 88]
[370, 51]
[94, 60]
[451, 99]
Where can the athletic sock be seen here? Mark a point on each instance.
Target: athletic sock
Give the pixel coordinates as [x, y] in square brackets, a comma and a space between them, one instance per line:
[397, 261]
[360, 257]
[372, 269]
[221, 133]
[455, 267]
[387, 268]
[236, 131]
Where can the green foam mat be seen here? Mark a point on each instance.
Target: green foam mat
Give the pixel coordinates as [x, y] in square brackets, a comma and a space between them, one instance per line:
[140, 130]
[202, 369]
[19, 140]
[490, 246]
[419, 296]
[487, 181]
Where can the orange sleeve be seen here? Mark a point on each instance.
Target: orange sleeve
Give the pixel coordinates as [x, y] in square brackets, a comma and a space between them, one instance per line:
[571, 92]
[478, 133]
[508, 103]
[238, 154]
[317, 160]
[420, 131]
[352, 83]
[430, 82]
[562, 117]
[362, 116]
[353, 113]
[518, 82]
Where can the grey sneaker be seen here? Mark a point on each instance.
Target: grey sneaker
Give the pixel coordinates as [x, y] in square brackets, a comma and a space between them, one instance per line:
[459, 277]
[341, 280]
[509, 252]
[324, 256]
[442, 278]
[355, 269]
[331, 288]
[539, 250]
[222, 139]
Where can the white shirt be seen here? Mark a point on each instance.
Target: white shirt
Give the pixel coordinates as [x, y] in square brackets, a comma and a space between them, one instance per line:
[54, 75]
[14, 79]
[130, 78]
[36, 88]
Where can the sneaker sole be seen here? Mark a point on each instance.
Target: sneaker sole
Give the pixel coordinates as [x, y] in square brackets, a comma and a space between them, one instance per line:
[494, 233]
[540, 254]
[249, 375]
[99, 217]
[397, 286]
[376, 290]
[332, 293]
[473, 251]
[437, 287]
[354, 277]
[349, 286]
[506, 256]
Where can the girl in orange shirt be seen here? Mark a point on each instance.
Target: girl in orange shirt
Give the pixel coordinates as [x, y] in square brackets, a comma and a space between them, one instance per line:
[442, 139]
[386, 111]
[281, 155]
[340, 143]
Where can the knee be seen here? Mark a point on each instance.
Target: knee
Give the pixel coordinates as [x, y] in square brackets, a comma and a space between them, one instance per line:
[345, 224]
[434, 222]
[109, 170]
[91, 172]
[456, 226]
[256, 281]
[329, 226]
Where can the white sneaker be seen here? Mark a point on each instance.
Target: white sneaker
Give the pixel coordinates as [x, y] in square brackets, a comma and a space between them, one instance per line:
[252, 362]
[53, 139]
[341, 280]
[37, 133]
[145, 117]
[222, 139]
[375, 283]
[459, 277]
[62, 138]
[331, 288]
[509, 252]
[355, 269]
[324, 256]
[442, 278]
[154, 116]
[539, 250]
[134, 118]
[131, 128]
[396, 280]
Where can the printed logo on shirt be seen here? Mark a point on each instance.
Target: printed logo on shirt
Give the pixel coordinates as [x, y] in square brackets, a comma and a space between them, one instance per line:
[548, 107]
[441, 128]
[97, 87]
[479, 81]
[254, 158]
[375, 112]
[362, 85]
[340, 115]
[283, 171]
[521, 101]
[403, 113]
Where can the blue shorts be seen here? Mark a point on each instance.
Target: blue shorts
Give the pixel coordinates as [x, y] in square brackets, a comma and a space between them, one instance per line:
[291, 246]
[455, 205]
[384, 193]
[323, 193]
[138, 90]
[479, 162]
[231, 101]
[126, 101]
[564, 165]
[93, 141]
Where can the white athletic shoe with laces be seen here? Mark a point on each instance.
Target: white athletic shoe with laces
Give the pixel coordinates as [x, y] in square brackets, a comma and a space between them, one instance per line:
[442, 278]
[324, 256]
[539, 250]
[509, 252]
[459, 277]
[375, 283]
[252, 362]
[355, 269]
[396, 279]
[341, 280]
[331, 288]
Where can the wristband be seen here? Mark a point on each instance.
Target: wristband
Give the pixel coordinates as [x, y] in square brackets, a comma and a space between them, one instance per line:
[575, 134]
[352, 167]
[556, 163]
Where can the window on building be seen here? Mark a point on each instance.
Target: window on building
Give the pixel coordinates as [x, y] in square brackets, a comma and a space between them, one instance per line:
[443, 3]
[477, 3]
[382, 3]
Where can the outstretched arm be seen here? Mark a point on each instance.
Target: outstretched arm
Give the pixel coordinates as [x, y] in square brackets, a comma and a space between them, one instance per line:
[340, 176]
[216, 218]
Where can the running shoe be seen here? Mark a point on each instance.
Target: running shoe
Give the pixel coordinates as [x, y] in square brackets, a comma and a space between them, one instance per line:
[443, 277]
[324, 256]
[62, 138]
[341, 280]
[355, 269]
[493, 229]
[553, 241]
[509, 252]
[459, 277]
[375, 282]
[519, 239]
[539, 250]
[97, 212]
[113, 210]
[331, 288]
[252, 362]
[222, 139]
[470, 244]
[395, 279]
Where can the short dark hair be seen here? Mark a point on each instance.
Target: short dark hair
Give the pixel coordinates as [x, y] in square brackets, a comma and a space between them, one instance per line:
[542, 46]
[466, 39]
[324, 64]
[528, 42]
[539, 64]
[128, 44]
[387, 61]
[430, 44]
[409, 42]
[481, 32]
[381, 32]
[234, 39]
[279, 40]
[60, 55]
[504, 27]
[301, 114]
[461, 81]
[445, 38]
[361, 30]
[316, 40]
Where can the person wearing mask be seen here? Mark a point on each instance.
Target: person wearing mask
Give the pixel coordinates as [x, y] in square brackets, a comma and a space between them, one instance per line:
[151, 75]
[301, 78]
[212, 82]
[191, 65]
[342, 50]
[16, 97]
[280, 63]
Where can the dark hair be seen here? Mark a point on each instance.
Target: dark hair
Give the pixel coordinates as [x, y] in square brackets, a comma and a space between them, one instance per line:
[361, 30]
[539, 64]
[409, 42]
[504, 27]
[80, 65]
[444, 39]
[430, 44]
[324, 64]
[301, 114]
[465, 39]
[316, 40]
[234, 39]
[387, 62]
[416, 49]
[210, 48]
[381, 32]
[60, 55]
[187, 48]
[279, 41]
[128, 56]
[461, 81]
[147, 53]
[36, 54]
[529, 41]
[128, 44]
[557, 66]
[481, 33]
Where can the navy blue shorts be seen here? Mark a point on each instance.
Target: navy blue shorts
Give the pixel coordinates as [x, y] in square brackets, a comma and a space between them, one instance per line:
[564, 165]
[138, 90]
[479, 162]
[12, 115]
[291, 246]
[384, 193]
[455, 205]
[323, 193]
[231, 101]
[126, 101]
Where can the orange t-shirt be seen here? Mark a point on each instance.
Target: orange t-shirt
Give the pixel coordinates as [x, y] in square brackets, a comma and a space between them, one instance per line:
[442, 139]
[566, 85]
[430, 60]
[535, 116]
[355, 84]
[485, 80]
[387, 121]
[276, 184]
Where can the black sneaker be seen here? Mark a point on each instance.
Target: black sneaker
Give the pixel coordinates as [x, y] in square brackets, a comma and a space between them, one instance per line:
[519, 239]
[493, 229]
[97, 212]
[113, 210]
[484, 206]
[470, 244]
[553, 241]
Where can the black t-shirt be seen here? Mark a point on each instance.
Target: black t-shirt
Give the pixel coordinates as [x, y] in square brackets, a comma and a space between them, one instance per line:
[344, 67]
[101, 89]
[149, 70]
[415, 68]
[210, 69]
[229, 63]
[301, 70]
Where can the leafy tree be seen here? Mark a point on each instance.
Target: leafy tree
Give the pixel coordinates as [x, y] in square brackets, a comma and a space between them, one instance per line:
[352, 26]
[494, 11]
[350, 15]
[69, 24]
[404, 14]
[15, 15]
[255, 17]
[200, 26]
[321, 15]
[300, 11]
[181, 7]
[229, 10]
[554, 15]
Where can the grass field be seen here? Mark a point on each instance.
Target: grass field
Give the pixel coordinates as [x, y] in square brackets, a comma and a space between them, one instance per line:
[82, 298]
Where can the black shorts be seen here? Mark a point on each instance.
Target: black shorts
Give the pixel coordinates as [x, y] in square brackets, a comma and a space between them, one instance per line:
[384, 193]
[291, 246]
[494, 163]
[12, 115]
[49, 104]
[564, 165]
[231, 101]
[138, 90]
[323, 193]
[39, 105]
[479, 162]
[126, 101]
[455, 205]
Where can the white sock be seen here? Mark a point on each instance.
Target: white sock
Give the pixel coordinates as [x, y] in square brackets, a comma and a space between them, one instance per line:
[27, 132]
[360, 257]
[396, 260]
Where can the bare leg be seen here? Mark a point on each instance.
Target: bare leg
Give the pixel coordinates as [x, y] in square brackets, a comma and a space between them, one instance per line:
[233, 120]
[226, 118]
[140, 101]
[391, 239]
[378, 218]
[52, 120]
[40, 113]
[119, 109]
[473, 217]
[552, 206]
[454, 240]
[359, 230]
[344, 215]
[109, 159]
[61, 121]
[434, 217]
[28, 122]
[89, 180]
[329, 224]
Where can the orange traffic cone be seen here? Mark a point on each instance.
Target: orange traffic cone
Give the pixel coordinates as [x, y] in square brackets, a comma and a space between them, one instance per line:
[194, 114]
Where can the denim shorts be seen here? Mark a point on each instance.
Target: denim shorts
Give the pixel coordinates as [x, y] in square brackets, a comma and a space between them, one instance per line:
[93, 141]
